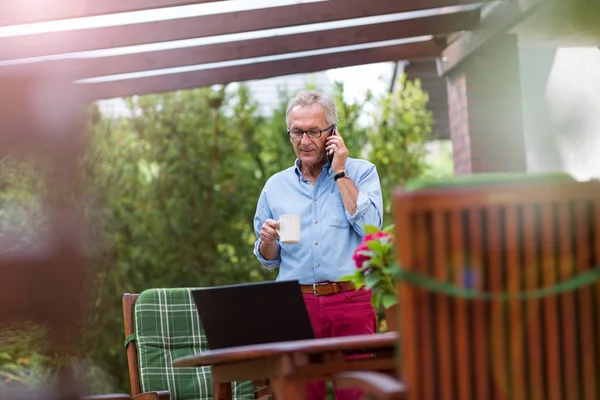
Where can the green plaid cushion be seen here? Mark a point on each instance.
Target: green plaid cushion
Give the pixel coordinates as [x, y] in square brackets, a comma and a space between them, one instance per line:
[167, 327]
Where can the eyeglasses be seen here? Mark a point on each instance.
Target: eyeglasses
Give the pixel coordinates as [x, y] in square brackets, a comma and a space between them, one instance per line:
[311, 133]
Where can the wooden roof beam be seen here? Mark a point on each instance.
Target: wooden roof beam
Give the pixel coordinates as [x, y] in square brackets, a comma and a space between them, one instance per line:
[276, 45]
[501, 17]
[251, 71]
[54, 43]
[19, 12]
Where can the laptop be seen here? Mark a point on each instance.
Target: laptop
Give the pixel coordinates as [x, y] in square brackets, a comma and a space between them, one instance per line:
[252, 313]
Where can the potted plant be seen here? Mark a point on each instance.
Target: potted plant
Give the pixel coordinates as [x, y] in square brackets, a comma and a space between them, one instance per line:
[377, 270]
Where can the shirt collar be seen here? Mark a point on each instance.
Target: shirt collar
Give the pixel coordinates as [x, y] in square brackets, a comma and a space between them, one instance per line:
[326, 168]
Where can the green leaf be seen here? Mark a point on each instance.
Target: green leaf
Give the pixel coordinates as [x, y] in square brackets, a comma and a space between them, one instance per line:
[369, 229]
[389, 299]
[376, 262]
[391, 269]
[367, 265]
[372, 279]
[376, 246]
[348, 278]
[359, 281]
[357, 278]
[376, 300]
[389, 229]
[368, 253]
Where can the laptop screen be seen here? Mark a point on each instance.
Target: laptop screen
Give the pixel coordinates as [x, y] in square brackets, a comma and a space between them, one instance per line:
[253, 313]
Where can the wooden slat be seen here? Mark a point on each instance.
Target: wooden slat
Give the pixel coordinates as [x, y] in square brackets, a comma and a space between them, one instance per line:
[514, 244]
[444, 339]
[427, 355]
[533, 307]
[18, 12]
[568, 322]
[480, 345]
[52, 43]
[189, 80]
[408, 363]
[588, 343]
[128, 304]
[500, 382]
[596, 288]
[551, 329]
[463, 334]
[502, 18]
[277, 45]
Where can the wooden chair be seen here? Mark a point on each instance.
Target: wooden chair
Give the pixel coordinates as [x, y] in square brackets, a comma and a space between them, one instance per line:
[261, 389]
[498, 237]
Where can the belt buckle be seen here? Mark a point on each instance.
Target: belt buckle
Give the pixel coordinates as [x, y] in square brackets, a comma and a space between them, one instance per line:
[314, 285]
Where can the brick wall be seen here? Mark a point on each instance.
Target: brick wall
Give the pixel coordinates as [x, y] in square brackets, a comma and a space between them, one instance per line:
[484, 95]
[459, 122]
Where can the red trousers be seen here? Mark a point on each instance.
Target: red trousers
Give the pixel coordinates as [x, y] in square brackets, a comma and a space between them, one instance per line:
[341, 314]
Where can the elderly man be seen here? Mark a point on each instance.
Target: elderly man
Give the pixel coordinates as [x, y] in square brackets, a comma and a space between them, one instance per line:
[334, 200]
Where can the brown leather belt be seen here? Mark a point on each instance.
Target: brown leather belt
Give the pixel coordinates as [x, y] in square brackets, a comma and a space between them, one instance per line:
[327, 288]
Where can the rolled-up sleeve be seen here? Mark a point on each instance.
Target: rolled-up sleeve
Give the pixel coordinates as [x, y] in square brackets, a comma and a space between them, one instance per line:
[263, 212]
[369, 203]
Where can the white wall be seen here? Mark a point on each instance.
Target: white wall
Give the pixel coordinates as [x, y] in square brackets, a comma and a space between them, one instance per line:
[561, 105]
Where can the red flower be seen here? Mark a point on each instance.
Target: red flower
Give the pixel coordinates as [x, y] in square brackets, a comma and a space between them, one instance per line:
[359, 257]
[376, 235]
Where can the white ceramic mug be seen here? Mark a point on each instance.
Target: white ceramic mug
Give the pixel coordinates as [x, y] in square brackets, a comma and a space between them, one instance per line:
[289, 229]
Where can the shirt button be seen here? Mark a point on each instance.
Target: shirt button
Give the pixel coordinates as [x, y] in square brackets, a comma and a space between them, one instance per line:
[317, 265]
[315, 199]
[316, 222]
[316, 243]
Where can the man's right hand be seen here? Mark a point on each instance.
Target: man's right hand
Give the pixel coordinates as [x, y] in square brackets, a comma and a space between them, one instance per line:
[268, 232]
[268, 236]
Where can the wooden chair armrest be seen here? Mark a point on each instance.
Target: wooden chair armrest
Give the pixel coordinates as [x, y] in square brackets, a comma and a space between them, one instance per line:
[112, 396]
[264, 393]
[262, 389]
[52, 394]
[374, 385]
[158, 395]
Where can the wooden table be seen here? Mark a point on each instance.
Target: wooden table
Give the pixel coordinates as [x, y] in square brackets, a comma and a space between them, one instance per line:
[289, 365]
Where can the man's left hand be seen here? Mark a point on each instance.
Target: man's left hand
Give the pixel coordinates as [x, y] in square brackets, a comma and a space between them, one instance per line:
[340, 152]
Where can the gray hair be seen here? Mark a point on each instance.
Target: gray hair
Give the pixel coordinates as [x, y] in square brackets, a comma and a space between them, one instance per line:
[307, 98]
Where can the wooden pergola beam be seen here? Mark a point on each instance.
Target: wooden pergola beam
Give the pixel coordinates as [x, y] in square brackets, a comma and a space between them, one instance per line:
[18, 12]
[276, 45]
[195, 79]
[499, 19]
[53, 43]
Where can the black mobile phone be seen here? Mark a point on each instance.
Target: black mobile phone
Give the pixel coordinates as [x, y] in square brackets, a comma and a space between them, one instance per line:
[330, 152]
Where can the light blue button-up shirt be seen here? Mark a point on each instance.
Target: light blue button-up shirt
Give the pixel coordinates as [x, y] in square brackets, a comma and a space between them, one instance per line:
[329, 234]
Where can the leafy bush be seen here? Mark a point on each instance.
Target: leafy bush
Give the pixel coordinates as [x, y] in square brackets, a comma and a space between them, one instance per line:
[22, 359]
[170, 191]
